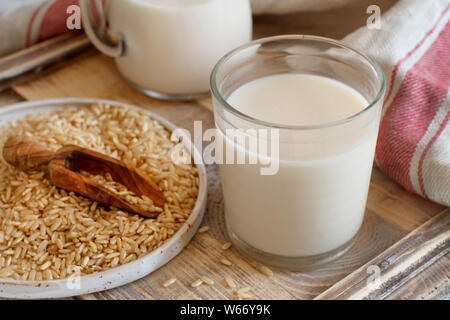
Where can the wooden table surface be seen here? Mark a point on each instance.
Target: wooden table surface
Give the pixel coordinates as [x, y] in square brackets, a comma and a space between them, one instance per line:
[404, 238]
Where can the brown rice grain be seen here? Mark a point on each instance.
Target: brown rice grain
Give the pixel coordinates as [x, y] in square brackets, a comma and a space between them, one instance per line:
[45, 265]
[168, 282]
[226, 245]
[242, 293]
[196, 283]
[203, 229]
[207, 280]
[230, 282]
[225, 262]
[266, 271]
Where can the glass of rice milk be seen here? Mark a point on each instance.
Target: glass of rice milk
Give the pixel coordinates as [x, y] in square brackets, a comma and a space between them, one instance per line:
[297, 120]
[167, 48]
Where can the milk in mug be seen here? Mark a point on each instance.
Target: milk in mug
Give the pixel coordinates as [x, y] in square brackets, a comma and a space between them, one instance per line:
[172, 45]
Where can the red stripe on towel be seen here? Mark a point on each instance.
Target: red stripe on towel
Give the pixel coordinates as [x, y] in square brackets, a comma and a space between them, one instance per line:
[30, 24]
[397, 66]
[419, 97]
[54, 20]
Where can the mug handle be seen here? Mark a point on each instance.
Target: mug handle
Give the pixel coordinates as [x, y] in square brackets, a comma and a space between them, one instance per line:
[101, 37]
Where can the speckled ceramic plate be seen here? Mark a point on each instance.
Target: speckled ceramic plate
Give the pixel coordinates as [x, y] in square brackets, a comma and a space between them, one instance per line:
[122, 274]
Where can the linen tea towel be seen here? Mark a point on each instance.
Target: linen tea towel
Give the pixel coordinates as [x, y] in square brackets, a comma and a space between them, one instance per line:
[413, 49]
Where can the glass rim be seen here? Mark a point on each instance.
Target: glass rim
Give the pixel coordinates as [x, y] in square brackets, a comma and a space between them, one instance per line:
[216, 93]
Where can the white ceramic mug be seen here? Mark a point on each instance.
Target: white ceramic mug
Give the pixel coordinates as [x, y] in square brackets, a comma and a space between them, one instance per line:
[167, 48]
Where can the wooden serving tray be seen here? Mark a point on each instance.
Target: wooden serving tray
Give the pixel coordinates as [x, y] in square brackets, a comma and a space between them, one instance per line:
[402, 250]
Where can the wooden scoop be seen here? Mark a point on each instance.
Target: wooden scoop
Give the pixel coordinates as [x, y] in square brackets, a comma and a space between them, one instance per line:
[61, 166]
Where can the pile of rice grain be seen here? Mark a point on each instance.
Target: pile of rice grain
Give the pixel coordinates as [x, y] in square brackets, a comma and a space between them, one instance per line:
[48, 233]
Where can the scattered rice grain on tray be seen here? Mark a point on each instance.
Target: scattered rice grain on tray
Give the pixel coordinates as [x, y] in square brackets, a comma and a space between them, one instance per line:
[230, 282]
[242, 294]
[225, 262]
[203, 229]
[49, 233]
[266, 271]
[226, 246]
[197, 283]
[169, 282]
[207, 280]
